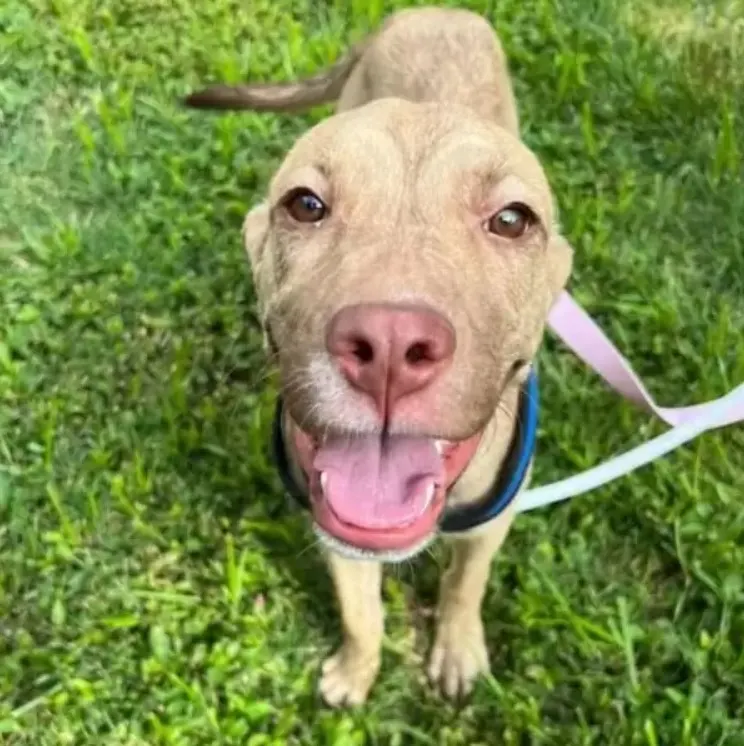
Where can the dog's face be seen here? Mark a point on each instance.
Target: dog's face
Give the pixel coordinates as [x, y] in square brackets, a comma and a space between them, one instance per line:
[405, 261]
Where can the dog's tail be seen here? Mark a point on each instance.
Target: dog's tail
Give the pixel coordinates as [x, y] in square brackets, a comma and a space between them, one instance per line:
[291, 97]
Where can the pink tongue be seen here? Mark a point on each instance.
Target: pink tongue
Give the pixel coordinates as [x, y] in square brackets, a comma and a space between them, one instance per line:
[376, 484]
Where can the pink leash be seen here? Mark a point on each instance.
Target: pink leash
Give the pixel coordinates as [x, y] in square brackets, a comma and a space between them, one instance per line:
[582, 335]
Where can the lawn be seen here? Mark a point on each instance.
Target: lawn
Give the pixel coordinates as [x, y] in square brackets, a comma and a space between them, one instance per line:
[155, 585]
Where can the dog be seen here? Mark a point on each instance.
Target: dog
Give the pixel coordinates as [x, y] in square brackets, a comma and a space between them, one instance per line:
[405, 260]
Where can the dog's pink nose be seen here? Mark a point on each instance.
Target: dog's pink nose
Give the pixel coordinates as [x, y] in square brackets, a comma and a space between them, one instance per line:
[390, 351]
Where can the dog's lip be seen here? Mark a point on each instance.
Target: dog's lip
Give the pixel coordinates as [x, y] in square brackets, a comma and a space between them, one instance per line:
[455, 457]
[308, 442]
[443, 445]
[400, 538]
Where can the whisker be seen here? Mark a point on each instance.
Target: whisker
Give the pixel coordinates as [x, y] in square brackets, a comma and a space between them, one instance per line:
[311, 545]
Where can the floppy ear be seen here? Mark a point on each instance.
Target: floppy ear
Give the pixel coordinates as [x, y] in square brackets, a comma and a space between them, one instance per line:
[256, 244]
[560, 263]
[255, 231]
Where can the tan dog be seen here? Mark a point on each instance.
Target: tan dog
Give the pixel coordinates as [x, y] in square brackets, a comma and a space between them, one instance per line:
[405, 260]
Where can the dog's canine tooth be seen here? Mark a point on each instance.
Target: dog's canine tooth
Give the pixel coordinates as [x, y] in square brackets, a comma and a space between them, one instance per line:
[429, 496]
[323, 481]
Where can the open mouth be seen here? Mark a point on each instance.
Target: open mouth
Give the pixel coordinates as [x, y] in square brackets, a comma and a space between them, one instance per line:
[380, 494]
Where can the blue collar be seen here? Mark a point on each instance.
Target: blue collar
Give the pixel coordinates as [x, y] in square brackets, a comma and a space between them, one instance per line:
[508, 483]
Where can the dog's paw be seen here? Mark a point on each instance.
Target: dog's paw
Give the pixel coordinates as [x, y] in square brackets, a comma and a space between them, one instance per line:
[459, 655]
[347, 676]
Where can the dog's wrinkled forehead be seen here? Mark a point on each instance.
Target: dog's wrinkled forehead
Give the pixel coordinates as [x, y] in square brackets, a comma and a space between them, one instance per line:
[408, 203]
[390, 147]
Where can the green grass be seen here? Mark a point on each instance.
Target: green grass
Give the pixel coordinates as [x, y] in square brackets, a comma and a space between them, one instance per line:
[155, 586]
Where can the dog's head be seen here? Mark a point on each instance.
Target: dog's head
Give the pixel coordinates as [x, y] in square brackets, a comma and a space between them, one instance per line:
[405, 261]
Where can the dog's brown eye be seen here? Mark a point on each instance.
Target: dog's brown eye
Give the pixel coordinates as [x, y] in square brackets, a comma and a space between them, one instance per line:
[304, 206]
[511, 222]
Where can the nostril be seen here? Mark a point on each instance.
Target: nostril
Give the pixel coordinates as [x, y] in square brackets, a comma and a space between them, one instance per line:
[388, 351]
[362, 350]
[418, 353]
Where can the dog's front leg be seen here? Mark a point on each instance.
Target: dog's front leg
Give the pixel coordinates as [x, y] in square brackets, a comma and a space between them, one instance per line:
[459, 654]
[349, 673]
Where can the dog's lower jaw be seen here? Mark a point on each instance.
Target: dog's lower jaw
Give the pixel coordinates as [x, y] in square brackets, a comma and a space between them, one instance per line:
[400, 515]
[388, 556]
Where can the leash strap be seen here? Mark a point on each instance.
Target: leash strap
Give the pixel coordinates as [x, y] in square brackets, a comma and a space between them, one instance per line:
[581, 334]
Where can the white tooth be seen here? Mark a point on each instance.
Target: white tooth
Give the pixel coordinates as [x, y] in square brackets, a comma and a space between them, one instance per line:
[439, 445]
[428, 497]
[323, 481]
[429, 494]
